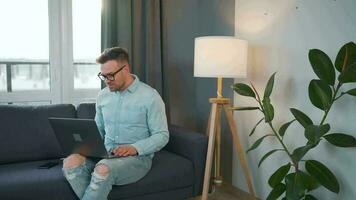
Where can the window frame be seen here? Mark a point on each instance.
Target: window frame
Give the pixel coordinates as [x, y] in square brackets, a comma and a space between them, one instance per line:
[61, 63]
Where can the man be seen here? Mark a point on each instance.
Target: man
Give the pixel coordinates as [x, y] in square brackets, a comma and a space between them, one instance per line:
[131, 118]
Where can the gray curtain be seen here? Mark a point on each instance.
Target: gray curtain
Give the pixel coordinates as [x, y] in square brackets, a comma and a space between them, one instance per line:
[182, 21]
[136, 26]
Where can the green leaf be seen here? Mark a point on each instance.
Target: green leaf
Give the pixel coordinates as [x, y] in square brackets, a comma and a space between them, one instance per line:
[310, 197]
[258, 142]
[269, 86]
[322, 66]
[300, 152]
[312, 145]
[276, 192]
[309, 183]
[341, 140]
[244, 90]
[320, 94]
[298, 183]
[268, 110]
[324, 176]
[348, 75]
[352, 92]
[294, 186]
[254, 128]
[314, 132]
[346, 56]
[284, 127]
[244, 108]
[302, 118]
[268, 154]
[278, 175]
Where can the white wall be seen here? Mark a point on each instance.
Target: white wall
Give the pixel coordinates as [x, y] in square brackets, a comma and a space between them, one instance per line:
[280, 34]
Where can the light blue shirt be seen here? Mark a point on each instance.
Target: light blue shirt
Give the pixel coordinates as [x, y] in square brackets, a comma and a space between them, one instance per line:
[135, 116]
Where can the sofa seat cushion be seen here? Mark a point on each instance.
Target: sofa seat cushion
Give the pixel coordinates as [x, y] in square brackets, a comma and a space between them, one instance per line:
[25, 181]
[169, 172]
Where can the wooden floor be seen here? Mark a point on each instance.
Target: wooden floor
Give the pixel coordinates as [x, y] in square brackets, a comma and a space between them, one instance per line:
[227, 192]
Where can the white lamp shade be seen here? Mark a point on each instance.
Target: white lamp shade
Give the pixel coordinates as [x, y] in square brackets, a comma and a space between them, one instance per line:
[220, 56]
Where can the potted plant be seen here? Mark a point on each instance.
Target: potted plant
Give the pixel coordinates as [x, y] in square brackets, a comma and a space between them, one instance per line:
[296, 178]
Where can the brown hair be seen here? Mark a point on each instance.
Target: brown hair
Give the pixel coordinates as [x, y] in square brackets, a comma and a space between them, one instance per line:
[114, 53]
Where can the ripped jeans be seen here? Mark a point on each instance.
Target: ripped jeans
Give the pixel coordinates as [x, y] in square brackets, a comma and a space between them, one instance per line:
[90, 185]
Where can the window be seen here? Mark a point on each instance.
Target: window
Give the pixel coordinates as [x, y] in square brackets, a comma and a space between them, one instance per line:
[3, 84]
[48, 51]
[86, 43]
[24, 45]
[30, 76]
[32, 103]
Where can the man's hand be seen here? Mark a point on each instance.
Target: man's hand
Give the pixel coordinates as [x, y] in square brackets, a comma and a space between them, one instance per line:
[124, 150]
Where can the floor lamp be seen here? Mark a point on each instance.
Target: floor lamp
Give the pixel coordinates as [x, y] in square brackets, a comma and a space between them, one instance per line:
[221, 57]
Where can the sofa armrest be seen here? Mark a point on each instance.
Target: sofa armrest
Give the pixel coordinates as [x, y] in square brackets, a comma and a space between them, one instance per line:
[193, 146]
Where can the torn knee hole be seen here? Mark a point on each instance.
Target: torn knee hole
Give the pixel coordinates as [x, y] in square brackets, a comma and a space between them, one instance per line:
[73, 161]
[102, 170]
[100, 174]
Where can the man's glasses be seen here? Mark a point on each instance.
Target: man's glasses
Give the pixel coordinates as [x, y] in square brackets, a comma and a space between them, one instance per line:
[111, 76]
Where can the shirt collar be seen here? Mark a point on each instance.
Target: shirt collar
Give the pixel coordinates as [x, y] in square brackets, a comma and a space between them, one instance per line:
[134, 85]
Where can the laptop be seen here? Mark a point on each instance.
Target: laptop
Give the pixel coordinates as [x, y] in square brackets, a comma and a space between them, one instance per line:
[79, 136]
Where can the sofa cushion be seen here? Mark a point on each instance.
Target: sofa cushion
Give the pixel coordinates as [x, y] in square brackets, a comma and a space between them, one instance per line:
[26, 134]
[169, 171]
[86, 111]
[25, 181]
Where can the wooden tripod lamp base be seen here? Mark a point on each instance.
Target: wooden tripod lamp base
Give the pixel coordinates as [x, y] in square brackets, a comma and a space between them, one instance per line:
[213, 130]
[220, 57]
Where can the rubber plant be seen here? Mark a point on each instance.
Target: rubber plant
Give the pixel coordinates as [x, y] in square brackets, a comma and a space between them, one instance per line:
[296, 179]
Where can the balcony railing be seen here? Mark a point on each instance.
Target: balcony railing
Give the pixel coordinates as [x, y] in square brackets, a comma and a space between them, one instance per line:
[37, 72]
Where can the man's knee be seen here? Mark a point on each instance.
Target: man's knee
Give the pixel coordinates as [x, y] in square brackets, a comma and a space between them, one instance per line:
[102, 170]
[74, 160]
[100, 175]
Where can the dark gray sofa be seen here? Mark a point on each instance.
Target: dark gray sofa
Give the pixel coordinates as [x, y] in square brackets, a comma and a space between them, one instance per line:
[27, 141]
